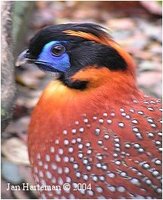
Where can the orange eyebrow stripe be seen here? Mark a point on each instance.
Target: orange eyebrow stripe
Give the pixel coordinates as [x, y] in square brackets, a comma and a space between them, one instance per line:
[88, 36]
[106, 41]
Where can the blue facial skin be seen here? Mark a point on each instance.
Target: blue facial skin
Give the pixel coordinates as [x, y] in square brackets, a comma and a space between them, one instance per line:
[49, 62]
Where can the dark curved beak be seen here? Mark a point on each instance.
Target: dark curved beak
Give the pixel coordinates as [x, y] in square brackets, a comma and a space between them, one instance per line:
[23, 58]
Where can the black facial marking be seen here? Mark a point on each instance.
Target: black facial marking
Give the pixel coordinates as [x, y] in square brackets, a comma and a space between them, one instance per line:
[77, 84]
[56, 33]
[82, 52]
[93, 54]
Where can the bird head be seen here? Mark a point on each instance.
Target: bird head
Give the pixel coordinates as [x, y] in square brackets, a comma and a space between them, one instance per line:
[83, 55]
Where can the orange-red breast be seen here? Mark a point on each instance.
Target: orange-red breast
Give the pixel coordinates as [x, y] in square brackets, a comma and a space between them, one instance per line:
[92, 128]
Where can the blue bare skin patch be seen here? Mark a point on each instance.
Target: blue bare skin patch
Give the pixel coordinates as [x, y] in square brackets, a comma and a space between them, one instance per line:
[48, 61]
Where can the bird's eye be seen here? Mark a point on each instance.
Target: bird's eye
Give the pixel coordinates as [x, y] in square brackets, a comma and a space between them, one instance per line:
[58, 50]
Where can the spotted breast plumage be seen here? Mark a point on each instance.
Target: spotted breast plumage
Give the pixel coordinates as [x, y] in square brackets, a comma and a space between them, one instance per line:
[92, 127]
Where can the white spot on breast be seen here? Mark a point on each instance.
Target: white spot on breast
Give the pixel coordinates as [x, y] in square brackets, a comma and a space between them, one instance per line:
[105, 114]
[47, 157]
[104, 167]
[56, 141]
[117, 162]
[66, 170]
[40, 163]
[40, 173]
[89, 151]
[117, 145]
[80, 155]
[85, 177]
[85, 120]
[60, 181]
[135, 181]
[150, 135]
[101, 121]
[134, 121]
[88, 167]
[73, 141]
[111, 188]
[52, 149]
[106, 136]
[146, 166]
[90, 192]
[65, 132]
[78, 140]
[59, 170]
[97, 131]
[74, 131]
[66, 159]
[100, 142]
[53, 180]
[99, 156]
[66, 142]
[159, 190]
[140, 150]
[123, 114]
[70, 149]
[57, 158]
[127, 145]
[102, 178]
[121, 189]
[48, 175]
[136, 146]
[77, 122]
[122, 110]
[136, 130]
[54, 166]
[148, 182]
[60, 151]
[76, 166]
[140, 112]
[85, 161]
[123, 174]
[155, 173]
[78, 174]
[121, 124]
[109, 121]
[153, 125]
[128, 117]
[94, 178]
[94, 117]
[112, 114]
[45, 166]
[150, 109]
[157, 162]
[98, 165]
[111, 175]
[81, 130]
[99, 189]
[80, 146]
[158, 142]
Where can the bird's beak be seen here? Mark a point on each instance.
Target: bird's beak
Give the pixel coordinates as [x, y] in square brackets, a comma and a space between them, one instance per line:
[23, 59]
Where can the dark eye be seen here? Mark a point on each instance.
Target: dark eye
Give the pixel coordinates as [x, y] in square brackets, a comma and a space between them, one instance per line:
[58, 50]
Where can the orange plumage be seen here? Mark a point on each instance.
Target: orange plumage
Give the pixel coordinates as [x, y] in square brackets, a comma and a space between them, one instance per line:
[106, 137]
